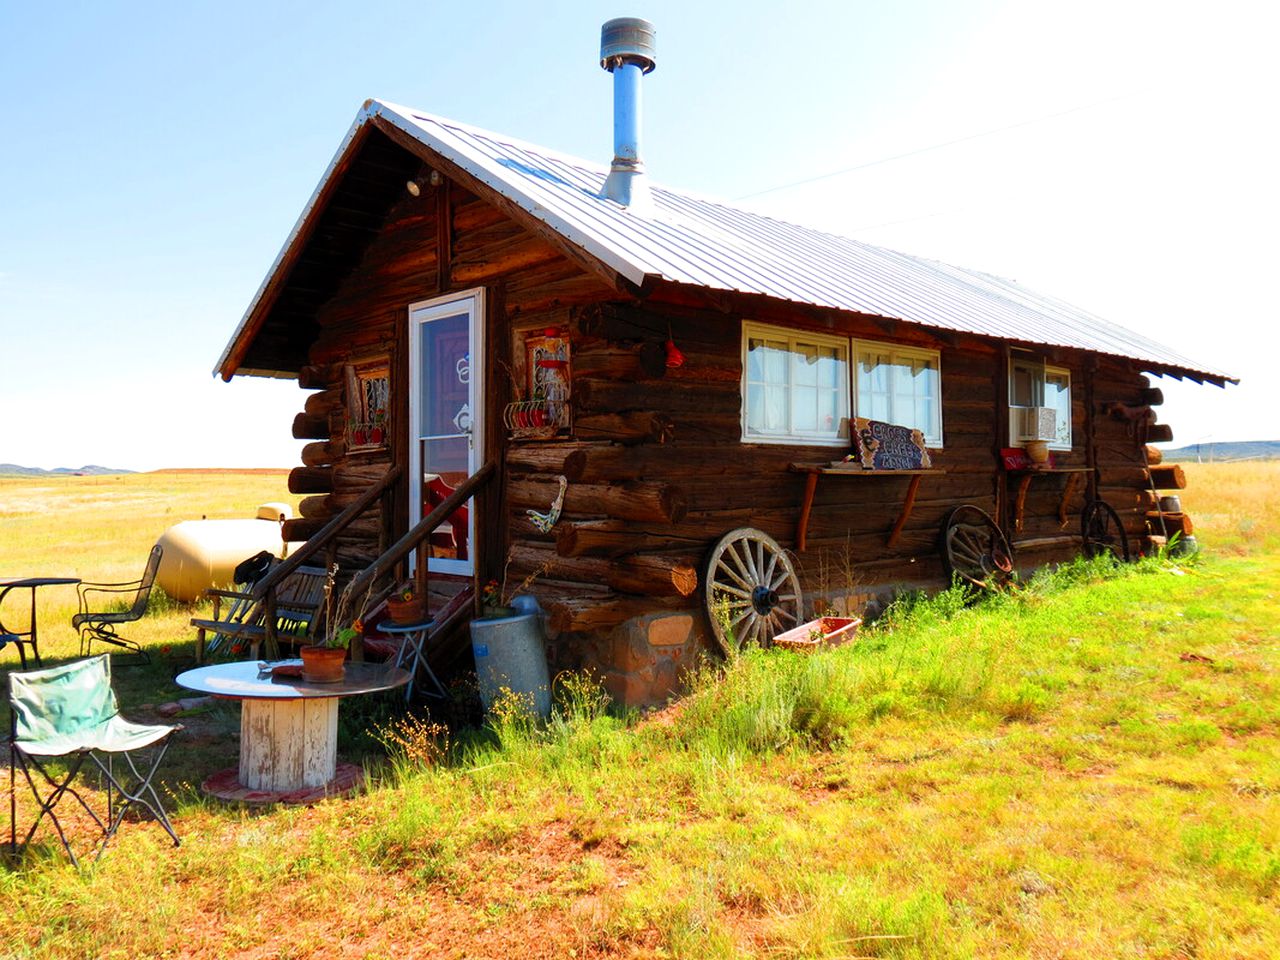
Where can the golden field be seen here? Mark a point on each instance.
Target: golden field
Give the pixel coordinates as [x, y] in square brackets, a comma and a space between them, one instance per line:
[1087, 766]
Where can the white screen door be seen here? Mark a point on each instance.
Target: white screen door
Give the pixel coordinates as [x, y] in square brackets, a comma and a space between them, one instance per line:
[445, 420]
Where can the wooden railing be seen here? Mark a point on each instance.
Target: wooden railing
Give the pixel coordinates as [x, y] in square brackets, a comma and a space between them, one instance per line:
[324, 539]
[399, 551]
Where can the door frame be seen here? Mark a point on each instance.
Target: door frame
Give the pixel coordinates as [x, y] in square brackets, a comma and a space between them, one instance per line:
[471, 302]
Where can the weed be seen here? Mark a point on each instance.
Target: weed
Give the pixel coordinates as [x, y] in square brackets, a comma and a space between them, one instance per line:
[413, 741]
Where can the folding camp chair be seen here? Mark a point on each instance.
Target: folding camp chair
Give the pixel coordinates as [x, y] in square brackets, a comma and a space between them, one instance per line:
[71, 712]
[103, 625]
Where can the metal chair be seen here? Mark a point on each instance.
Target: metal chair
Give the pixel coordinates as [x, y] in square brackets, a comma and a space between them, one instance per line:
[71, 712]
[102, 625]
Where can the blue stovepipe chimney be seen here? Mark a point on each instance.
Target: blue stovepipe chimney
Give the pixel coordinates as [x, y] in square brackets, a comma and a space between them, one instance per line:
[628, 51]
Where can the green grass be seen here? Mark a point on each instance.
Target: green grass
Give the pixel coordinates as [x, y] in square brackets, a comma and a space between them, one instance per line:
[1039, 774]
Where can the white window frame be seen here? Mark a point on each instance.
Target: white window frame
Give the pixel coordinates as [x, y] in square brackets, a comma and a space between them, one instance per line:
[896, 353]
[791, 336]
[1045, 370]
[471, 303]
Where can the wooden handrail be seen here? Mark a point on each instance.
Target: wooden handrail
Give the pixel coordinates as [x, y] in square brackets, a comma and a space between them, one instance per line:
[423, 529]
[326, 533]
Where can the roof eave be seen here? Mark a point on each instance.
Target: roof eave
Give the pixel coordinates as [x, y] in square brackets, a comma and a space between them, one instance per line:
[238, 345]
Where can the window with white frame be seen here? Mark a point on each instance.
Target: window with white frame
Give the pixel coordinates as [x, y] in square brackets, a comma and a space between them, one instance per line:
[795, 385]
[1034, 384]
[901, 385]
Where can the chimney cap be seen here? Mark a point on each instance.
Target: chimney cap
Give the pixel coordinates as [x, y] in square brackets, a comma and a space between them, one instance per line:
[628, 39]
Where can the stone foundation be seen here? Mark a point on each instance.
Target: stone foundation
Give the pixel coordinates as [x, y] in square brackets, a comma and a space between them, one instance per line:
[644, 662]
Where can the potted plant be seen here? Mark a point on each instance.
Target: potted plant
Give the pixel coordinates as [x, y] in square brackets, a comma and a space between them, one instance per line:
[324, 662]
[407, 606]
[492, 605]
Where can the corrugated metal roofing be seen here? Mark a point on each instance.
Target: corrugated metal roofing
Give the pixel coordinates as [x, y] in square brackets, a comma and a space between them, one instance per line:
[692, 240]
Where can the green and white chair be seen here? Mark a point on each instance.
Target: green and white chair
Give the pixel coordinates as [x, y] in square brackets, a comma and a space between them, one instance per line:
[69, 713]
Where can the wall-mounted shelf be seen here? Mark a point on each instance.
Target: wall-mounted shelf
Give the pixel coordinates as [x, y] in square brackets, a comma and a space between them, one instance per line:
[814, 470]
[1075, 475]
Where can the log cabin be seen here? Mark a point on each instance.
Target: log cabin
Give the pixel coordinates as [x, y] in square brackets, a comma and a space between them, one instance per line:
[635, 403]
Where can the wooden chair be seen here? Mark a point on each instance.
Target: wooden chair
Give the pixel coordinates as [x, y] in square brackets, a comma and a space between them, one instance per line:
[299, 600]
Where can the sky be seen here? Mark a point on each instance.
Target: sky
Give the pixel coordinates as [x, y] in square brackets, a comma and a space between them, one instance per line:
[1121, 156]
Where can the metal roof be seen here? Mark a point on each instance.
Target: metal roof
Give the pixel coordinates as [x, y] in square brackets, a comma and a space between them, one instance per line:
[688, 239]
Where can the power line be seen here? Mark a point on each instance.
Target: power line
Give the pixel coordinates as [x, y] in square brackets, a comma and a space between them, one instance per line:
[936, 146]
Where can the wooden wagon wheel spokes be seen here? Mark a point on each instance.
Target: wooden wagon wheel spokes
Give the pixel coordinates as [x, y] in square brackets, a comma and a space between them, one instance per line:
[752, 591]
[974, 549]
[1102, 532]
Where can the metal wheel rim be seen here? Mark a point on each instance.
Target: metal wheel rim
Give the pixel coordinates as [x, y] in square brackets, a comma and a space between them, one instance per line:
[751, 584]
[1102, 532]
[974, 549]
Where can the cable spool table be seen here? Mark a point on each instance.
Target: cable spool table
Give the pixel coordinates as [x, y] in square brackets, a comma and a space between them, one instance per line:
[288, 729]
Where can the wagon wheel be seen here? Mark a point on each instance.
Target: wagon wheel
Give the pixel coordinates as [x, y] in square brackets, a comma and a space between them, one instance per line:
[1102, 532]
[974, 549]
[752, 591]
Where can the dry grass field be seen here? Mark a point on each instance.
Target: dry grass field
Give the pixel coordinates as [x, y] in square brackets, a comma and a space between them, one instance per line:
[1088, 766]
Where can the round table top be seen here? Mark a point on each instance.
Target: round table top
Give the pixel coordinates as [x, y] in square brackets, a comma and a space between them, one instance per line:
[390, 626]
[7, 582]
[244, 680]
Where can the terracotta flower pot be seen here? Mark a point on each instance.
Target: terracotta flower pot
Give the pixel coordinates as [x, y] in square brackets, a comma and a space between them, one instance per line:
[407, 611]
[323, 664]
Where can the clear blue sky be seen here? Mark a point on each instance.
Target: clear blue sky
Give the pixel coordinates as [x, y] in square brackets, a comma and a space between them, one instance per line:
[155, 157]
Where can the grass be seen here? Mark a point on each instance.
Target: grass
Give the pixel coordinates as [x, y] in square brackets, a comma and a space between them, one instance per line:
[1043, 774]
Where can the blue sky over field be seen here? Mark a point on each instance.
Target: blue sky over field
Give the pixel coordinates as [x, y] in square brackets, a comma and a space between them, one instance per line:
[1120, 156]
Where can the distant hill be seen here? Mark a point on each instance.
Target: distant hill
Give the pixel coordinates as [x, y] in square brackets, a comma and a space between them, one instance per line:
[88, 470]
[1236, 450]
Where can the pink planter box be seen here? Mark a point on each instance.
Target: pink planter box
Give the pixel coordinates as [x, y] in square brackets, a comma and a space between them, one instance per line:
[825, 630]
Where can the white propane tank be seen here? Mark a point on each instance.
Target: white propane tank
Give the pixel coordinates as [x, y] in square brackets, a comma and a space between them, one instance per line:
[199, 554]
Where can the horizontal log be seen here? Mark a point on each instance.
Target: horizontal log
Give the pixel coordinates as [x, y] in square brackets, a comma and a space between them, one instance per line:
[637, 426]
[659, 575]
[1120, 476]
[1172, 523]
[324, 403]
[616, 538]
[661, 502]
[319, 376]
[307, 427]
[1154, 454]
[324, 453]
[594, 463]
[493, 262]
[639, 361]
[596, 614]
[1169, 477]
[302, 529]
[592, 395]
[311, 480]
[1151, 396]
[1160, 433]
[540, 457]
[317, 507]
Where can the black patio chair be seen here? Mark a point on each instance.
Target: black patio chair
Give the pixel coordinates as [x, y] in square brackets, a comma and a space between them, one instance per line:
[103, 625]
[70, 713]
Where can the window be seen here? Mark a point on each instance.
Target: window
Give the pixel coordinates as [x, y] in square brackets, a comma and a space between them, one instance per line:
[899, 385]
[796, 385]
[367, 406]
[1033, 384]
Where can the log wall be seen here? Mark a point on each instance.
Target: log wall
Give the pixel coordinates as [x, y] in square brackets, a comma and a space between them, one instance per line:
[656, 466]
